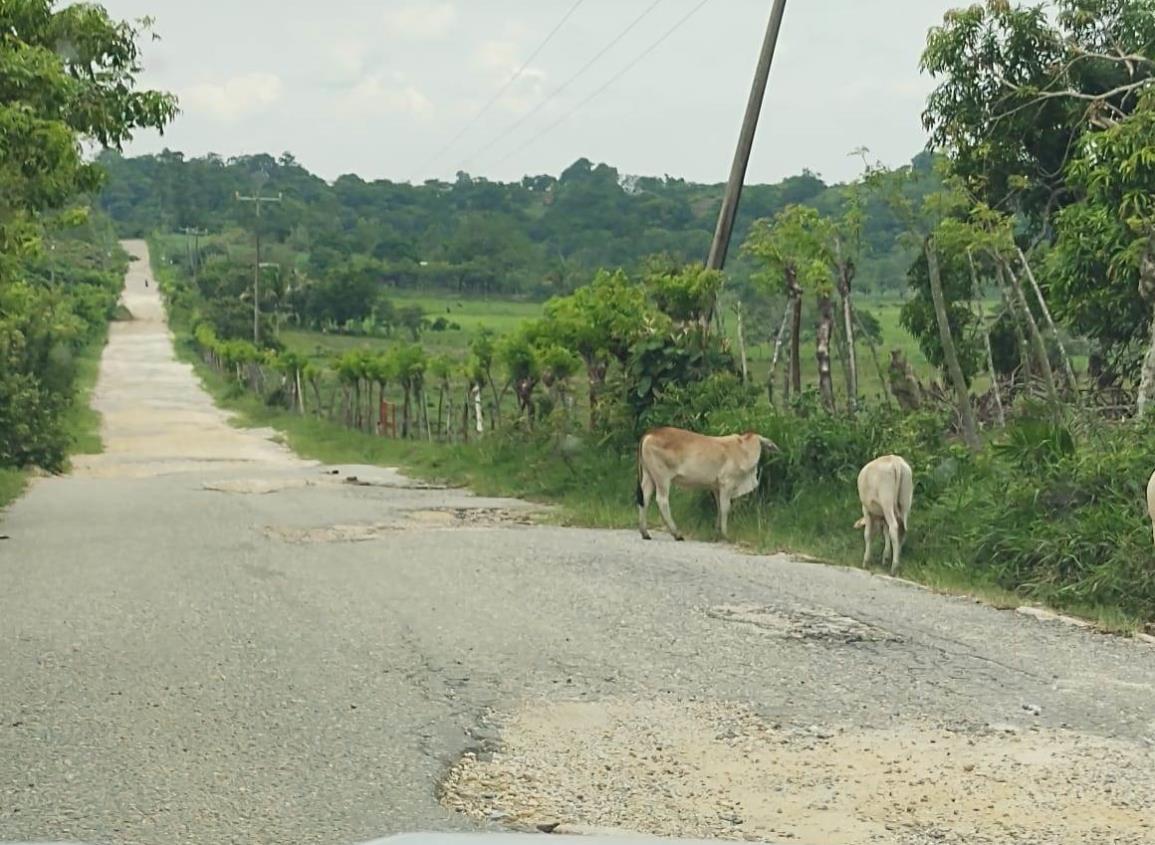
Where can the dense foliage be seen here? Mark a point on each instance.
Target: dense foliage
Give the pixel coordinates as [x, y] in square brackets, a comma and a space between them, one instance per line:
[539, 237]
[67, 77]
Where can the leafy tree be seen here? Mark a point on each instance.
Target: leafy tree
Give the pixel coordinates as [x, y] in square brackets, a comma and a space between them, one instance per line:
[601, 322]
[796, 250]
[67, 79]
[1024, 103]
[412, 318]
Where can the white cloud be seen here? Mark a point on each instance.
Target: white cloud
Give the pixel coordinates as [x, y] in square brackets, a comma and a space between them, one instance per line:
[381, 93]
[420, 19]
[502, 59]
[348, 56]
[233, 98]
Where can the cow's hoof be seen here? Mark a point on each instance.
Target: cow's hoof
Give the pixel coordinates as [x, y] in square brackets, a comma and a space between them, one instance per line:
[679, 538]
[647, 537]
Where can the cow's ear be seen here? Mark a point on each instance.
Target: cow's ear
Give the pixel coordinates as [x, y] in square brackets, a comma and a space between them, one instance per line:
[768, 444]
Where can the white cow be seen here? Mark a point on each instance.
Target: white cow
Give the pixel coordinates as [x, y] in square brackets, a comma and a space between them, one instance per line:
[727, 466]
[1151, 502]
[885, 488]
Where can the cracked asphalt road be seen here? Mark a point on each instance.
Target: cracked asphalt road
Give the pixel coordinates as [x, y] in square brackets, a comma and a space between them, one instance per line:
[188, 656]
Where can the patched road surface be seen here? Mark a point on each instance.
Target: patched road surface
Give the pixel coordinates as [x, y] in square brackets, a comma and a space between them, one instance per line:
[208, 640]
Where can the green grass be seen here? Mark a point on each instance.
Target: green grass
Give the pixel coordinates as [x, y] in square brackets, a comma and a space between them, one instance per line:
[471, 315]
[12, 484]
[82, 422]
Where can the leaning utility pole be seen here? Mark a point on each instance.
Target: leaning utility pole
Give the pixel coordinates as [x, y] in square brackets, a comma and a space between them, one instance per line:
[257, 199]
[729, 212]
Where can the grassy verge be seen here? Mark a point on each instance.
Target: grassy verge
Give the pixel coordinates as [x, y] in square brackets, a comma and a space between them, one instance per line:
[82, 422]
[594, 487]
[12, 484]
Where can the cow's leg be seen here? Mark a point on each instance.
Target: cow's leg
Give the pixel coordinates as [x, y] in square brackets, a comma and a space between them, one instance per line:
[717, 510]
[894, 544]
[723, 512]
[645, 493]
[868, 535]
[662, 494]
[882, 523]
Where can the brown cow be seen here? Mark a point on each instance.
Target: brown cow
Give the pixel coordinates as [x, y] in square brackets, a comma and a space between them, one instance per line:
[727, 466]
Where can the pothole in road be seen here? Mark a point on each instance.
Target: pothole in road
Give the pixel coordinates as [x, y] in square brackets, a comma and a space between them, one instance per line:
[711, 770]
[431, 518]
[819, 625]
[330, 533]
[259, 486]
[455, 517]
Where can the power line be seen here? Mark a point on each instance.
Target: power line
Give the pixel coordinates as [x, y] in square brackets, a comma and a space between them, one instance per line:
[500, 91]
[521, 120]
[597, 92]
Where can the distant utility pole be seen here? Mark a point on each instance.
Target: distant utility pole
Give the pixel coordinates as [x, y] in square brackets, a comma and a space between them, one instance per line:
[194, 257]
[257, 199]
[729, 212]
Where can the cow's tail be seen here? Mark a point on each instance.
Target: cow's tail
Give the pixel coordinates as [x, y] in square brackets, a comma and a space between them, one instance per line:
[903, 487]
[639, 496]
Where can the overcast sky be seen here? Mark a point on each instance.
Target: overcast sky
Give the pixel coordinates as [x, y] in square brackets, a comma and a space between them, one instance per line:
[379, 87]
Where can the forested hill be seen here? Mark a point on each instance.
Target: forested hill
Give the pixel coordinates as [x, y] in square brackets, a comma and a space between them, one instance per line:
[537, 237]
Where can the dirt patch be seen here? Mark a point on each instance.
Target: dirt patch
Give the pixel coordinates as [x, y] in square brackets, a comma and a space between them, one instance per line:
[823, 625]
[718, 771]
[437, 518]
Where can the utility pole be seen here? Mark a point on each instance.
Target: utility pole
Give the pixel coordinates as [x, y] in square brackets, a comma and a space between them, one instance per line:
[725, 228]
[257, 199]
[195, 254]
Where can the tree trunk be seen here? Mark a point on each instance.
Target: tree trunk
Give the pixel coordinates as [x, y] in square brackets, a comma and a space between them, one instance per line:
[1000, 416]
[406, 407]
[300, 392]
[742, 347]
[1147, 291]
[320, 407]
[778, 339]
[476, 395]
[874, 356]
[822, 350]
[962, 396]
[496, 400]
[795, 330]
[846, 273]
[1020, 335]
[1069, 371]
[465, 416]
[441, 432]
[596, 372]
[425, 413]
[1037, 343]
[1146, 397]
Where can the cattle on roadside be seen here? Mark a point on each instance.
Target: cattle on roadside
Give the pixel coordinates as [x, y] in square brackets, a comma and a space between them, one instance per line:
[885, 489]
[1151, 502]
[727, 466]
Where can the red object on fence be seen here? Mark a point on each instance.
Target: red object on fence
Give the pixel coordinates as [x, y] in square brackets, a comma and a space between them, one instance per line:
[387, 421]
